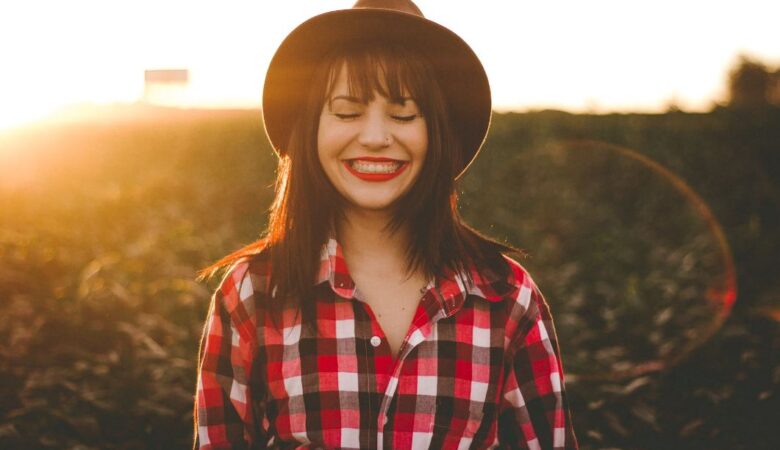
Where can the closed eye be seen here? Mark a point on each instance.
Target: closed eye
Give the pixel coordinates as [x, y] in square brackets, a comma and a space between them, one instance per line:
[344, 116]
[408, 118]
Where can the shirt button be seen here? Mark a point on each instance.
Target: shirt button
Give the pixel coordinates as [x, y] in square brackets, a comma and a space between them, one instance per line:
[375, 341]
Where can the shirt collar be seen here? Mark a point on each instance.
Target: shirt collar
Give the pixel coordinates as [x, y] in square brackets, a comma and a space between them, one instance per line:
[451, 288]
[333, 269]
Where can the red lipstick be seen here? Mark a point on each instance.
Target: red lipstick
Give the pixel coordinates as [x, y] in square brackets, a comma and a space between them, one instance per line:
[375, 176]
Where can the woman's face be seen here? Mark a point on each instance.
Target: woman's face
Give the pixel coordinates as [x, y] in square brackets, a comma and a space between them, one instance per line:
[371, 152]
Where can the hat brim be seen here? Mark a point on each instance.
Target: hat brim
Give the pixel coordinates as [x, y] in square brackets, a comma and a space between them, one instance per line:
[458, 70]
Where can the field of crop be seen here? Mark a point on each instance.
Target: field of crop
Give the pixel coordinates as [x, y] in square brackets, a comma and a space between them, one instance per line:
[641, 230]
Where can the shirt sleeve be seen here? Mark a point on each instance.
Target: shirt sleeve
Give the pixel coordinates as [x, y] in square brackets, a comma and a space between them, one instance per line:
[534, 412]
[229, 412]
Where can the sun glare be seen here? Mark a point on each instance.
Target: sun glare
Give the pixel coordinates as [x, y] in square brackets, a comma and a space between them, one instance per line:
[15, 114]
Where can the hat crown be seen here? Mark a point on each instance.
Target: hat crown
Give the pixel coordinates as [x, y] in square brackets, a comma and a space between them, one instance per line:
[406, 6]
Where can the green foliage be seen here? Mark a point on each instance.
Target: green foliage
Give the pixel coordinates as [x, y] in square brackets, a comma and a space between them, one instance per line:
[627, 263]
[103, 226]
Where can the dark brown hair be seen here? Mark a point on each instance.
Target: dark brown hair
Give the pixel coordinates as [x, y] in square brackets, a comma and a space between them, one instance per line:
[306, 205]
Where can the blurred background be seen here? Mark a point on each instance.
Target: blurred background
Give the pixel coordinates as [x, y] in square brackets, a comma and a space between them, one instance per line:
[634, 154]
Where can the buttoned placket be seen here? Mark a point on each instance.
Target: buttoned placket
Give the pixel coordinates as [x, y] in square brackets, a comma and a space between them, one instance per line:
[417, 334]
[442, 300]
[374, 346]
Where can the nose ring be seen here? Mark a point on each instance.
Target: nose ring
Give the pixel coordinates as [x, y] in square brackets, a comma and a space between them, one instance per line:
[387, 140]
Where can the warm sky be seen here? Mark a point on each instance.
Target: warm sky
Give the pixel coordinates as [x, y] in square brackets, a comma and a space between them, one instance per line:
[601, 55]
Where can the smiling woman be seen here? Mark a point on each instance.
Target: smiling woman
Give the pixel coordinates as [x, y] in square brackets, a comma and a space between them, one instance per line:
[376, 136]
[370, 315]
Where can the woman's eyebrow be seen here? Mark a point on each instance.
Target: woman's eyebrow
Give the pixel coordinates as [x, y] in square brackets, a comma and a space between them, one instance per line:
[348, 98]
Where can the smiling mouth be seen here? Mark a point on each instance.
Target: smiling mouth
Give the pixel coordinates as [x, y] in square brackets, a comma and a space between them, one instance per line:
[374, 166]
[379, 169]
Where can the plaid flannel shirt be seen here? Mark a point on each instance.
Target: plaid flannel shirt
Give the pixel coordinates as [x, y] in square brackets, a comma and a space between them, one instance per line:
[479, 367]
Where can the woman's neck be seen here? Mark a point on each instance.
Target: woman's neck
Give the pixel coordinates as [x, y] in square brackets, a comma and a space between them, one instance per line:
[369, 245]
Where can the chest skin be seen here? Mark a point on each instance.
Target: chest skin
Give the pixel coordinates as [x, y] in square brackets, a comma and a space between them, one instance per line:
[393, 299]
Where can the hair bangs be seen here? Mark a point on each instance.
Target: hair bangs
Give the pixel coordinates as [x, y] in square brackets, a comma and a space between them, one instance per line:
[390, 71]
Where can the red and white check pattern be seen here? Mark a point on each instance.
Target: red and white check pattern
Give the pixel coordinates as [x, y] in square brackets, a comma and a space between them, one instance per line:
[479, 367]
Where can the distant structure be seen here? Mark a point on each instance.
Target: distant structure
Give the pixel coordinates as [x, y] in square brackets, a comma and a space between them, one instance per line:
[166, 87]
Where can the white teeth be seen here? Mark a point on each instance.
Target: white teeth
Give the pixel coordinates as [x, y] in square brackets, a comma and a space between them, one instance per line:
[374, 167]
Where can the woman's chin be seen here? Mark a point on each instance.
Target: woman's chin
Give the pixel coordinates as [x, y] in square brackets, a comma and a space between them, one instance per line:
[370, 206]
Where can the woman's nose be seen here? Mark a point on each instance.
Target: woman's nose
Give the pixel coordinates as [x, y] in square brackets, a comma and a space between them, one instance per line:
[375, 133]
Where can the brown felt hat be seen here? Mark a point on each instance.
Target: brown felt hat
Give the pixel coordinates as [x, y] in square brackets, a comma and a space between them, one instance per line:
[458, 70]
